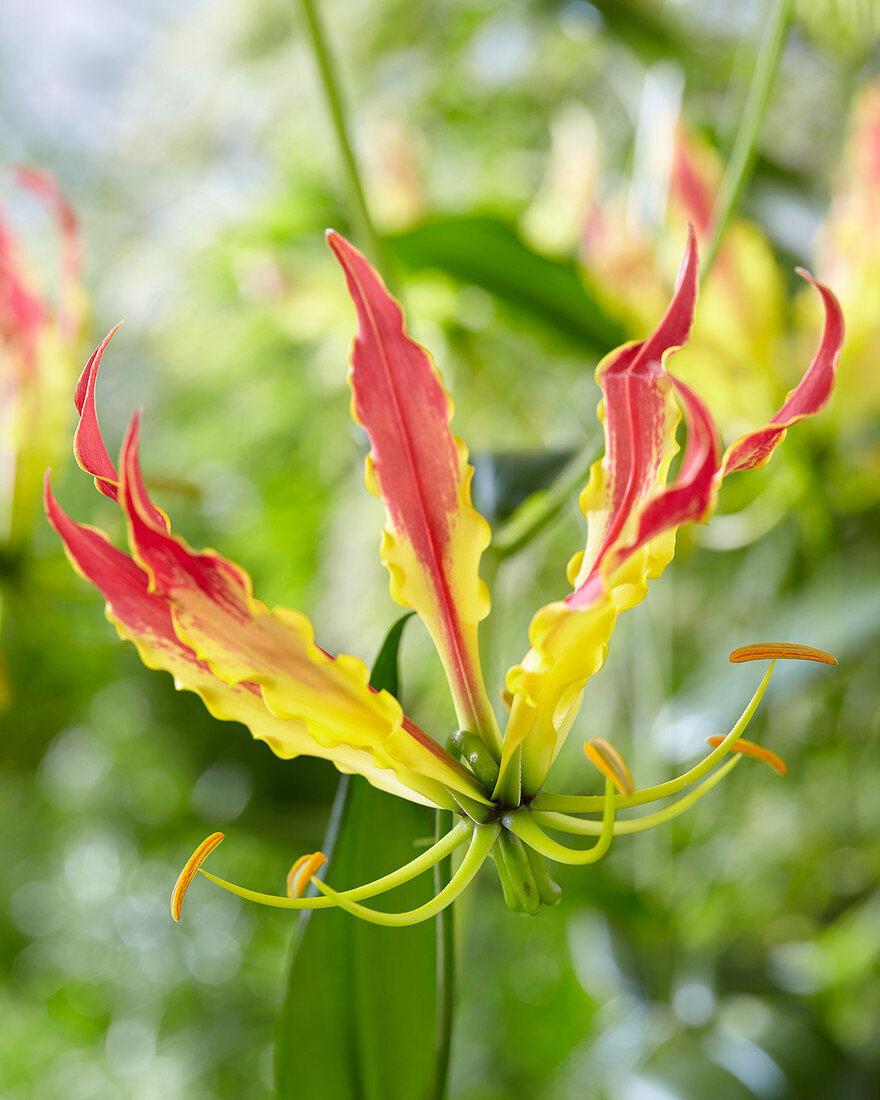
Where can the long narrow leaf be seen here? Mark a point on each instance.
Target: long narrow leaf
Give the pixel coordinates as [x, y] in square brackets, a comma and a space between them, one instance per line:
[359, 1015]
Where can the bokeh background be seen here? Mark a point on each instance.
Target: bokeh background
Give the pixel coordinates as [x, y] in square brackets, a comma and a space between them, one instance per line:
[733, 955]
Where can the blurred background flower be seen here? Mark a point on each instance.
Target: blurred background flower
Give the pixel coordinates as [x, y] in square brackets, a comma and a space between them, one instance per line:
[734, 955]
[40, 344]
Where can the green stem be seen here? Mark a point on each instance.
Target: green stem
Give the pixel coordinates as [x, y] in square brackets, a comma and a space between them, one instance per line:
[333, 93]
[534, 514]
[445, 970]
[742, 156]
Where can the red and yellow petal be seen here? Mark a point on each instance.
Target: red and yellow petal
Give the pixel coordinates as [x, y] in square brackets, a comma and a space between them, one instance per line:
[434, 538]
[144, 618]
[633, 515]
[89, 448]
[38, 333]
[631, 518]
[72, 300]
[809, 397]
[214, 613]
[640, 417]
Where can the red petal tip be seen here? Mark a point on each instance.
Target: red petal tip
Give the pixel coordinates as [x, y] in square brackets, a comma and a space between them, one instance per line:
[133, 432]
[691, 253]
[82, 385]
[337, 243]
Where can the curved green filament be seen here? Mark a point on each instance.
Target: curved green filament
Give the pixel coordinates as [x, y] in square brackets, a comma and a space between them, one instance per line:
[523, 825]
[594, 803]
[579, 827]
[428, 859]
[482, 841]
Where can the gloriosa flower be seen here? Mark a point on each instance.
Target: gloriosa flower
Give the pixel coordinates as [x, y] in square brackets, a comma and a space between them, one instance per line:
[39, 347]
[194, 614]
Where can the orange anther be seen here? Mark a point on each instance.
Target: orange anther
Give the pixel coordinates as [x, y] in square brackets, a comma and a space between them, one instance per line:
[189, 872]
[749, 748]
[610, 763]
[300, 874]
[780, 651]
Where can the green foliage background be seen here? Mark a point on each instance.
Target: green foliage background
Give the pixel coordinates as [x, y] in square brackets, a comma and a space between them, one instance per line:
[733, 955]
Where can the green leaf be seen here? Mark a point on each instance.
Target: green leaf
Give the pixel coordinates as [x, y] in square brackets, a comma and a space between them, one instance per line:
[488, 252]
[503, 480]
[385, 675]
[359, 1015]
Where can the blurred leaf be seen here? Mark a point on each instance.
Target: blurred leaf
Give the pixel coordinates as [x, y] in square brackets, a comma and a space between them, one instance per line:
[645, 31]
[503, 480]
[358, 1018]
[489, 253]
